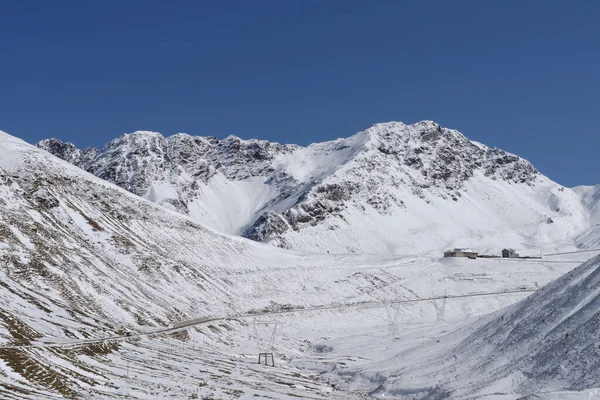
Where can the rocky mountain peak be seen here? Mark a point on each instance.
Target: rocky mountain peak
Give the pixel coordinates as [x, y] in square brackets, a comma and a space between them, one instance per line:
[138, 142]
[69, 152]
[391, 163]
[275, 189]
[443, 154]
[64, 150]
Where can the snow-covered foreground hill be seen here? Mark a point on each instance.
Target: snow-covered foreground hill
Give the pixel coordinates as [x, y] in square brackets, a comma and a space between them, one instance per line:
[392, 189]
[545, 346]
[86, 260]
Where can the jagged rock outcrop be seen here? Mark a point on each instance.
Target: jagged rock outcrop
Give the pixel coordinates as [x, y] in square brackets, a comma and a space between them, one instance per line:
[69, 152]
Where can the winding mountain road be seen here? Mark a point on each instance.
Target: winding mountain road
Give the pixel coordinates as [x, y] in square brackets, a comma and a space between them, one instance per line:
[206, 320]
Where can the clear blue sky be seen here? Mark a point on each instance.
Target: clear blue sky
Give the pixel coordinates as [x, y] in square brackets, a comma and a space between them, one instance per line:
[521, 75]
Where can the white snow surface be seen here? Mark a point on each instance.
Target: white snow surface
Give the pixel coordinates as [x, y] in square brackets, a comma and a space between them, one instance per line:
[590, 196]
[545, 343]
[83, 258]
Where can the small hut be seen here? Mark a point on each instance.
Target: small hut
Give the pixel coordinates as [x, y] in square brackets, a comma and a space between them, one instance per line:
[460, 252]
[509, 253]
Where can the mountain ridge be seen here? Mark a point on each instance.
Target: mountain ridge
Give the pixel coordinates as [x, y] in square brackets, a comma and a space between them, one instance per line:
[286, 194]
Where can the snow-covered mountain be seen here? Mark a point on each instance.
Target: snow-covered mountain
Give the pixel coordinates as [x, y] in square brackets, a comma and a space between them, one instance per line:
[391, 188]
[83, 259]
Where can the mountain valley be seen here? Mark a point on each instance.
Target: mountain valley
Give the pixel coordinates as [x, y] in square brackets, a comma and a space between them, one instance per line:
[158, 268]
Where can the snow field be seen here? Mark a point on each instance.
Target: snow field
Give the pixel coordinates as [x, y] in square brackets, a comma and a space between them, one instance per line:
[102, 260]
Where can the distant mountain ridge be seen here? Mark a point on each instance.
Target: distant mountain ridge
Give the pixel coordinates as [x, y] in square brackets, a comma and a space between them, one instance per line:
[390, 188]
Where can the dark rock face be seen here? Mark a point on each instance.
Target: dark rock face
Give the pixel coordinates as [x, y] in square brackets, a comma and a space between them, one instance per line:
[337, 192]
[268, 226]
[387, 159]
[133, 160]
[69, 152]
[500, 164]
[45, 199]
[66, 151]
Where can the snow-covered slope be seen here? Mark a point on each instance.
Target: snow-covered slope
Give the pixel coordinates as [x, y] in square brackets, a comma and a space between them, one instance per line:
[548, 342]
[220, 183]
[391, 188]
[590, 198]
[83, 258]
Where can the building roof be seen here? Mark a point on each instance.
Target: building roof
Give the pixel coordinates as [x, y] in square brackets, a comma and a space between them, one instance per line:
[463, 250]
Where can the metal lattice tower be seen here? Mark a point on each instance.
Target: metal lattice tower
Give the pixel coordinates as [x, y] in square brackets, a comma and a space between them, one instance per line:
[266, 353]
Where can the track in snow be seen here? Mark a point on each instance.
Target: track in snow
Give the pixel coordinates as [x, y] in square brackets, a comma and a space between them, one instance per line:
[193, 322]
[570, 252]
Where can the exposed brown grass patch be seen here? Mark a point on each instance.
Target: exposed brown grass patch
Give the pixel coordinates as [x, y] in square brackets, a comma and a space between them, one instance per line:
[97, 349]
[22, 333]
[32, 370]
[182, 335]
